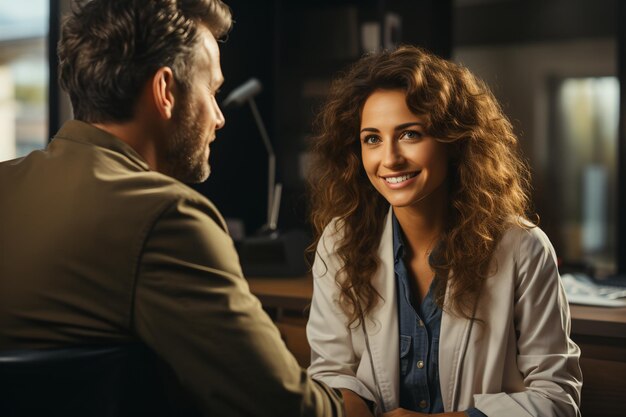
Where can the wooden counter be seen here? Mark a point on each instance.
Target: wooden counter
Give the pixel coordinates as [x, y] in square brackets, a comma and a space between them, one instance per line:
[600, 333]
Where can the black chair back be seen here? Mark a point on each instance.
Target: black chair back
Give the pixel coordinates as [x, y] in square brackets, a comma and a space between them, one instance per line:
[92, 381]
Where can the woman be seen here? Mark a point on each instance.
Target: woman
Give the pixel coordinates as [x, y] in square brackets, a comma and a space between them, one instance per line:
[432, 293]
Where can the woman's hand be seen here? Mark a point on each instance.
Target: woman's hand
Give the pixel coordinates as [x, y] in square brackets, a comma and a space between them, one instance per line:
[354, 405]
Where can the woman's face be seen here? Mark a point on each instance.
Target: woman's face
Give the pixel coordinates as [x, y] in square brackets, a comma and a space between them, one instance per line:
[404, 164]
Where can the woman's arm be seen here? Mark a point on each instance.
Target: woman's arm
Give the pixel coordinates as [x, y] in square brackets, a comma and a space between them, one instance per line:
[334, 359]
[547, 358]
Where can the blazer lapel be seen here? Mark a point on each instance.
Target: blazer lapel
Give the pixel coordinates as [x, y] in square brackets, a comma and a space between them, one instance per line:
[455, 334]
[382, 328]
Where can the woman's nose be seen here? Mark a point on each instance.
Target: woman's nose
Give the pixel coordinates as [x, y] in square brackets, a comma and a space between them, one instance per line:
[392, 155]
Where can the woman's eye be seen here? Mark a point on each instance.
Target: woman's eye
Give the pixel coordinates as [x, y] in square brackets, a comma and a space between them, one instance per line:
[370, 140]
[411, 134]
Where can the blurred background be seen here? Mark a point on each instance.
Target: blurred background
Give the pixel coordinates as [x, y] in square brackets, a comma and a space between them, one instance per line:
[555, 66]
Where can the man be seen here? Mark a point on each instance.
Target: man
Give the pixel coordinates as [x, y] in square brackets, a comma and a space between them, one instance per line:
[100, 241]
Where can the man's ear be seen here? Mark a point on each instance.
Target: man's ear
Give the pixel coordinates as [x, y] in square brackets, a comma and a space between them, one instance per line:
[163, 87]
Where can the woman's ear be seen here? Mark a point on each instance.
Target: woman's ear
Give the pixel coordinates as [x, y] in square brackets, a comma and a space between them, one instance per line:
[163, 85]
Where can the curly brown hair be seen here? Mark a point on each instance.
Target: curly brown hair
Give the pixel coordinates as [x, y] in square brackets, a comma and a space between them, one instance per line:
[489, 181]
[110, 48]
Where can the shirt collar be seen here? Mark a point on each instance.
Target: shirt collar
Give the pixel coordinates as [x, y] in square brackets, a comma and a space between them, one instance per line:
[398, 239]
[398, 243]
[85, 133]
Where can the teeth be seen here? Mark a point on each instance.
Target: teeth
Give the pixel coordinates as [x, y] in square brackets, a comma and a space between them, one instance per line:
[395, 180]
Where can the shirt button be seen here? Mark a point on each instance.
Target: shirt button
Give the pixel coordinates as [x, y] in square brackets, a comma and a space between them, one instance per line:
[420, 365]
[423, 404]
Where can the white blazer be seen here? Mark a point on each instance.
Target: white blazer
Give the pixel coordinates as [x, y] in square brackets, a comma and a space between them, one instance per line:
[517, 362]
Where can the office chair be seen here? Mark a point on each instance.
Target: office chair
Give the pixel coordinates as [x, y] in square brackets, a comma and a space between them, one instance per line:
[89, 381]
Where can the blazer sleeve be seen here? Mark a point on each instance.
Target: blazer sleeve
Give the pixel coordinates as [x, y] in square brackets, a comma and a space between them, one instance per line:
[547, 358]
[193, 308]
[334, 360]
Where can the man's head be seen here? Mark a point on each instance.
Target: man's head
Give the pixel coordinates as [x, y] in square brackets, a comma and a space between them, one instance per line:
[195, 116]
[111, 49]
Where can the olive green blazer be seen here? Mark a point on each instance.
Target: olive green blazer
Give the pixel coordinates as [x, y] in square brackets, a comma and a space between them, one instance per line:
[97, 248]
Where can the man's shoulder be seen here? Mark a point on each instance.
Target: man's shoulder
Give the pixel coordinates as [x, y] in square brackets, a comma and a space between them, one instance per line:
[156, 191]
[165, 187]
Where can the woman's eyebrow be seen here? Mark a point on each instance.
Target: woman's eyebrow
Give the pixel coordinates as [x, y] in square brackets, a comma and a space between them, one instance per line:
[399, 127]
[409, 124]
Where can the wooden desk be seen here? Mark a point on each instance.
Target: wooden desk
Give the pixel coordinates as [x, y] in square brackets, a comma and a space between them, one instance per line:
[283, 293]
[287, 301]
[600, 333]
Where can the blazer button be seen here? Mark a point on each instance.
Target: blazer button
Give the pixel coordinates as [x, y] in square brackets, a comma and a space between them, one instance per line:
[420, 364]
[423, 404]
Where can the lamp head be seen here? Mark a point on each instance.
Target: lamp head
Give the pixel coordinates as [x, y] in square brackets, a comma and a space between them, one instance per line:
[243, 93]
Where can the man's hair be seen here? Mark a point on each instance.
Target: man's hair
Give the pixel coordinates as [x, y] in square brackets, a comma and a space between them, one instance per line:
[110, 48]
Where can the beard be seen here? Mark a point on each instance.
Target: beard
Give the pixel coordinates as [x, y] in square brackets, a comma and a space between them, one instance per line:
[185, 150]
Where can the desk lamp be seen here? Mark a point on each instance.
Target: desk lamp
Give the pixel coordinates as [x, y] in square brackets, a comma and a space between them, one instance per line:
[269, 253]
[240, 95]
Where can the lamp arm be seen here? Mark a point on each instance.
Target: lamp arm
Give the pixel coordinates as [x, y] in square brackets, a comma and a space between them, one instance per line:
[271, 171]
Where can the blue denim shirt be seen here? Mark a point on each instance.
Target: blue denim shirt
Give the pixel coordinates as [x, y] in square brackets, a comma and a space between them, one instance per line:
[419, 325]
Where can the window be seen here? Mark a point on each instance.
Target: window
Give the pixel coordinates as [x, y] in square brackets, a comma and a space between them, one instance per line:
[563, 100]
[583, 155]
[23, 77]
